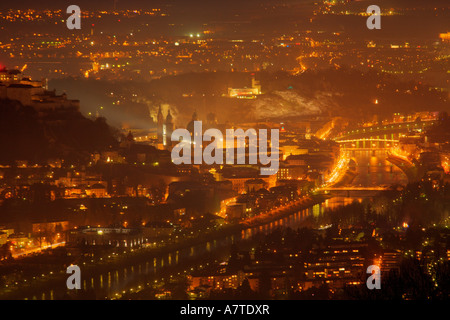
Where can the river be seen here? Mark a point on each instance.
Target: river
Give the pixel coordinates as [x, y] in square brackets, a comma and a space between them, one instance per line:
[373, 170]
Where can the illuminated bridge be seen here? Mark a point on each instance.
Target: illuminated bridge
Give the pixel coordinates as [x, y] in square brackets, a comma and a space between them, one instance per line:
[379, 136]
[353, 191]
[381, 188]
[367, 143]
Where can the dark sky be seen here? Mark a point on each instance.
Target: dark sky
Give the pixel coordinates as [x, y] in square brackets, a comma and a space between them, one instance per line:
[109, 4]
[194, 14]
[192, 4]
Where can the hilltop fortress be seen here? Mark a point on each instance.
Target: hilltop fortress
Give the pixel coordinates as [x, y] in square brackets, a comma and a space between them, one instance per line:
[15, 86]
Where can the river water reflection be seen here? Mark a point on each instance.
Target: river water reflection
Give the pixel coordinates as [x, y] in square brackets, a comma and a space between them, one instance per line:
[372, 169]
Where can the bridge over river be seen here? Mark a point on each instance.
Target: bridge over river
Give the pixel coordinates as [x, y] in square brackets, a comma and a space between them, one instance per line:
[379, 136]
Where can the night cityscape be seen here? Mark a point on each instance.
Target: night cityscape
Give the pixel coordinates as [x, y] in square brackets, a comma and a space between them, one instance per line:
[225, 150]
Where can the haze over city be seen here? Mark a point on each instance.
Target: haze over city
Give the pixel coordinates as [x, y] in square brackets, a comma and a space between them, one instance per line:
[90, 123]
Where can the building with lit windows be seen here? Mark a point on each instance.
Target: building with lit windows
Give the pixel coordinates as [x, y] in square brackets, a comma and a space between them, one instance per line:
[14, 86]
[100, 236]
[246, 93]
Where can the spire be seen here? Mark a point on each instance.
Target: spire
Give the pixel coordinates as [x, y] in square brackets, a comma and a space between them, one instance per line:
[160, 125]
[169, 118]
[130, 136]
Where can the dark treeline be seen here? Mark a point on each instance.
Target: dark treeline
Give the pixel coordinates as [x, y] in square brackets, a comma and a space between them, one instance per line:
[26, 135]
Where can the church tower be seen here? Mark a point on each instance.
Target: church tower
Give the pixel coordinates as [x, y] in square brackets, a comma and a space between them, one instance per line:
[168, 130]
[160, 125]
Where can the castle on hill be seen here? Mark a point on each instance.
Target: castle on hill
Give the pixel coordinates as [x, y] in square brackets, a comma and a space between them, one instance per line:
[15, 86]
